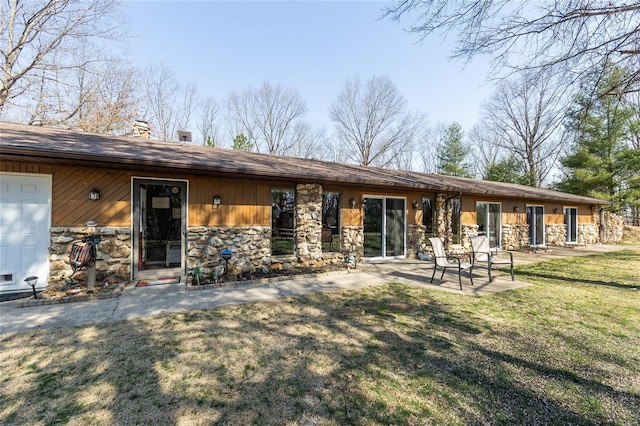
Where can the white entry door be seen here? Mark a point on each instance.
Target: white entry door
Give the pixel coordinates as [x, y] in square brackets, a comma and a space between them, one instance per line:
[25, 219]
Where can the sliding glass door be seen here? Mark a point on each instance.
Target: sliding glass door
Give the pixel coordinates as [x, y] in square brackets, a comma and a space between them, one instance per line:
[489, 219]
[384, 227]
[535, 220]
[571, 222]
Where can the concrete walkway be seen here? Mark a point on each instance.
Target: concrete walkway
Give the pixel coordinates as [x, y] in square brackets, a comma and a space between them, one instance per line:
[144, 301]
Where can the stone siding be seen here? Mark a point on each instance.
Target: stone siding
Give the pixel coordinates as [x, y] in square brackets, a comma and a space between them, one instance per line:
[588, 234]
[352, 239]
[613, 225]
[415, 240]
[308, 231]
[250, 247]
[114, 253]
[466, 232]
[555, 234]
[515, 237]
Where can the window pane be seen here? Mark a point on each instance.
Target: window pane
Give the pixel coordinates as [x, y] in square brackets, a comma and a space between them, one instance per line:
[373, 227]
[456, 206]
[428, 216]
[330, 222]
[394, 231]
[282, 221]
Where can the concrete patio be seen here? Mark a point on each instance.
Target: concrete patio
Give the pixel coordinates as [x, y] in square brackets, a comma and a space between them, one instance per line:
[418, 272]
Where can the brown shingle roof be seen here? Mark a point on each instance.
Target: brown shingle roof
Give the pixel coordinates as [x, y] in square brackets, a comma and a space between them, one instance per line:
[32, 143]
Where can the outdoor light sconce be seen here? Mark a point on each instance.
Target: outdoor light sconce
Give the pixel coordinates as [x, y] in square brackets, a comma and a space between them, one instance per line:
[416, 204]
[515, 209]
[352, 202]
[555, 210]
[217, 200]
[94, 195]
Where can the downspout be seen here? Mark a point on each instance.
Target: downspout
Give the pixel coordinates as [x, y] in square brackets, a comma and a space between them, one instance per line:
[447, 221]
[603, 226]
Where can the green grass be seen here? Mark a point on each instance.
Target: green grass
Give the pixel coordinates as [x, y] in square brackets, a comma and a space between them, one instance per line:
[564, 351]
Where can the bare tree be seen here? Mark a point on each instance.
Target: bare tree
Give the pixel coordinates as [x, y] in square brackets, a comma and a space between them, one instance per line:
[525, 117]
[486, 147]
[309, 143]
[372, 122]
[97, 96]
[573, 37]
[267, 116]
[207, 122]
[38, 38]
[170, 104]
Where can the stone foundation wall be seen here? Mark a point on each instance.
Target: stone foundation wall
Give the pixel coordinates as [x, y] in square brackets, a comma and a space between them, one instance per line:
[416, 240]
[250, 247]
[555, 234]
[114, 253]
[308, 232]
[515, 237]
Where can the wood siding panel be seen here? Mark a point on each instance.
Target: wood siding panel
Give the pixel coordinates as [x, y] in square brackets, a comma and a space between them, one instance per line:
[71, 204]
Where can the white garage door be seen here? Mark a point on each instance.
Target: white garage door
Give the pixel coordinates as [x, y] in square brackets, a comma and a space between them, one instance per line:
[25, 218]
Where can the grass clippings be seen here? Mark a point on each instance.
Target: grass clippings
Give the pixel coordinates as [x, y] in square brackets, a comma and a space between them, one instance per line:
[564, 351]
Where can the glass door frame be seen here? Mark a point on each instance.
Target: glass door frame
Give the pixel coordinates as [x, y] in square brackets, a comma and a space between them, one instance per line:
[532, 222]
[384, 198]
[136, 181]
[571, 229]
[487, 222]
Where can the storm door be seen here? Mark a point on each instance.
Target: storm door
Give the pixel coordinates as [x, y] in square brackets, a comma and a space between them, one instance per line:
[384, 227]
[535, 220]
[571, 222]
[159, 227]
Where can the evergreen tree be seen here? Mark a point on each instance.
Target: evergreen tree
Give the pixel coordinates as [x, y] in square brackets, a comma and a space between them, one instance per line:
[240, 143]
[452, 153]
[508, 171]
[602, 162]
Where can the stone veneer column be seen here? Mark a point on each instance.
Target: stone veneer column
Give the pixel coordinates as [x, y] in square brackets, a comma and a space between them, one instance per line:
[308, 232]
[441, 215]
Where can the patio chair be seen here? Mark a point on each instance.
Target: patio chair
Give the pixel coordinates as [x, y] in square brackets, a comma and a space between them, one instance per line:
[444, 261]
[483, 253]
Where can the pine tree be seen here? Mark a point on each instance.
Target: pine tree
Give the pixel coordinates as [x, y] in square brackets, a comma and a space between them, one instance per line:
[240, 143]
[602, 162]
[452, 153]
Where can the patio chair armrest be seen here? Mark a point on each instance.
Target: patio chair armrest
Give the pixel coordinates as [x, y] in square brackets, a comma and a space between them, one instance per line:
[499, 252]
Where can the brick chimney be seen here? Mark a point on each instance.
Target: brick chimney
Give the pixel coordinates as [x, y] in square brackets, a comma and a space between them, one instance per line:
[141, 129]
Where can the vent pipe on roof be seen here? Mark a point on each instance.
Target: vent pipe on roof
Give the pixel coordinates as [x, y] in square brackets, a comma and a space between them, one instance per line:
[141, 129]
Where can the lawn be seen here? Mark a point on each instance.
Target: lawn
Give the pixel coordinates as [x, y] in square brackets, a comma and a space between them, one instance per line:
[564, 351]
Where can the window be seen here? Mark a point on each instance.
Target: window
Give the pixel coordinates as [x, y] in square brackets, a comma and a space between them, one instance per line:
[282, 221]
[428, 216]
[330, 221]
[456, 208]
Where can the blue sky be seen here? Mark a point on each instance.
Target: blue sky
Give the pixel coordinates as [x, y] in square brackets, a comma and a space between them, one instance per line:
[312, 47]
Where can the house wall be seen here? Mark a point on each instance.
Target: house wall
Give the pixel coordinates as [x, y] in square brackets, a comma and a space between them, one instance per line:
[515, 230]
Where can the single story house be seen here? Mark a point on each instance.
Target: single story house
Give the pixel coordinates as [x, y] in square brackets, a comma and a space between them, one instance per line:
[161, 208]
